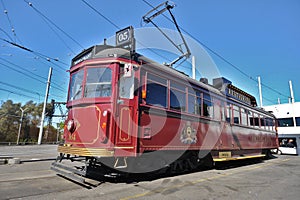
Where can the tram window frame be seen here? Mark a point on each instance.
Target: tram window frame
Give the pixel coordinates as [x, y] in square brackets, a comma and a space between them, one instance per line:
[177, 96]
[218, 109]
[250, 118]
[194, 101]
[269, 123]
[256, 121]
[78, 84]
[155, 84]
[127, 83]
[93, 83]
[262, 121]
[192, 104]
[244, 116]
[228, 115]
[223, 111]
[207, 105]
[236, 114]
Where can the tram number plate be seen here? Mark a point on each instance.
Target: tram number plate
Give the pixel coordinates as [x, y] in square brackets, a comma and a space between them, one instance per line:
[124, 37]
[226, 154]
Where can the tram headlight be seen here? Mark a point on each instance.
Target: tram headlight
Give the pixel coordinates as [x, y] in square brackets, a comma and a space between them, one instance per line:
[71, 125]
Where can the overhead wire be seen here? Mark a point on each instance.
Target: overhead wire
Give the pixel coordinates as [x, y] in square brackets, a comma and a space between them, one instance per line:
[220, 56]
[10, 22]
[45, 57]
[118, 27]
[22, 89]
[18, 93]
[6, 34]
[30, 72]
[55, 25]
[30, 76]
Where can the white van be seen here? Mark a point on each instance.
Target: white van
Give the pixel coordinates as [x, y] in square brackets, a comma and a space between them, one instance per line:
[287, 146]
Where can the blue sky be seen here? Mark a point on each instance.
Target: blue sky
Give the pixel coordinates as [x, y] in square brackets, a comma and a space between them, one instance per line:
[260, 37]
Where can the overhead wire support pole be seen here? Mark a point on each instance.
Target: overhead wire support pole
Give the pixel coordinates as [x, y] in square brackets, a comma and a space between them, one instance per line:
[44, 107]
[260, 92]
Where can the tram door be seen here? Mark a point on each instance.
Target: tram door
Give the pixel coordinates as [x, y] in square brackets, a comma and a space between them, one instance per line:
[126, 131]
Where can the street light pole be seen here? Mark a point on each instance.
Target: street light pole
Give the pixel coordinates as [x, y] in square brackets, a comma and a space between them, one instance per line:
[20, 126]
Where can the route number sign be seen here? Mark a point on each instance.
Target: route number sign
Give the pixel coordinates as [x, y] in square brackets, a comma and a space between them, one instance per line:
[125, 38]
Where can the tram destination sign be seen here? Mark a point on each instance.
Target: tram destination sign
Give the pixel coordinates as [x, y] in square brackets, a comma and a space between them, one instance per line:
[125, 38]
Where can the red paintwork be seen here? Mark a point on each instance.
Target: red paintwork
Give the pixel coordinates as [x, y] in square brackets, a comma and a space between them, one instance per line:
[154, 132]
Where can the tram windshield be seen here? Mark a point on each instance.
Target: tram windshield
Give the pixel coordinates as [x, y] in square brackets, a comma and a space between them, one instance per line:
[76, 85]
[97, 83]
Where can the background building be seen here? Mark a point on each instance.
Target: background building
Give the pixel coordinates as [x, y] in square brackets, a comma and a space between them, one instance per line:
[288, 116]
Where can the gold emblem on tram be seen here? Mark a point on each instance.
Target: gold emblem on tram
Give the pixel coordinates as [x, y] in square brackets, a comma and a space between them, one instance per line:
[188, 134]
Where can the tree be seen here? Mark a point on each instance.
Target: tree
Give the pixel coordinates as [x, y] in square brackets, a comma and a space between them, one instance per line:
[10, 114]
[9, 121]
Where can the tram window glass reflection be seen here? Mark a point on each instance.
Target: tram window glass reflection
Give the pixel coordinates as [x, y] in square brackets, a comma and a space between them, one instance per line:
[244, 117]
[262, 122]
[192, 104]
[177, 96]
[285, 122]
[156, 91]
[236, 115]
[269, 124]
[250, 118]
[228, 113]
[255, 120]
[208, 106]
[126, 85]
[76, 85]
[98, 82]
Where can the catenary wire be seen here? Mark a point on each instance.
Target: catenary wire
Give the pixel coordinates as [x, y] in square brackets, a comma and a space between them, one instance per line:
[220, 56]
[56, 26]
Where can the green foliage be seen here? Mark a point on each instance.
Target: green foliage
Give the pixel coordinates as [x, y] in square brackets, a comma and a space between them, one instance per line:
[10, 118]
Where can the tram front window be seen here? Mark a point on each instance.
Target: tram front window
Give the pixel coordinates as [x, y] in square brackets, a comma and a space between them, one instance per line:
[76, 85]
[98, 82]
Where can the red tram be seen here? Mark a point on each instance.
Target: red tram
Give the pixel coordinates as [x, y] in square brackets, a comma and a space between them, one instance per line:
[128, 113]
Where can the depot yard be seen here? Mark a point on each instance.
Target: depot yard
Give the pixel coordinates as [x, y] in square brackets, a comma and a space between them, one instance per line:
[277, 178]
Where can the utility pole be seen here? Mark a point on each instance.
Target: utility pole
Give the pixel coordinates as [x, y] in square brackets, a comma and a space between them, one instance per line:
[44, 107]
[20, 126]
[292, 92]
[293, 102]
[260, 92]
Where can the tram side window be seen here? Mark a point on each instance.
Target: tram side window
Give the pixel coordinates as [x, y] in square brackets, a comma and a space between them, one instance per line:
[223, 111]
[208, 106]
[244, 117]
[228, 113]
[177, 97]
[262, 122]
[194, 101]
[236, 115]
[156, 91]
[285, 122]
[76, 85]
[250, 118]
[126, 85]
[192, 104]
[98, 82]
[269, 124]
[255, 120]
